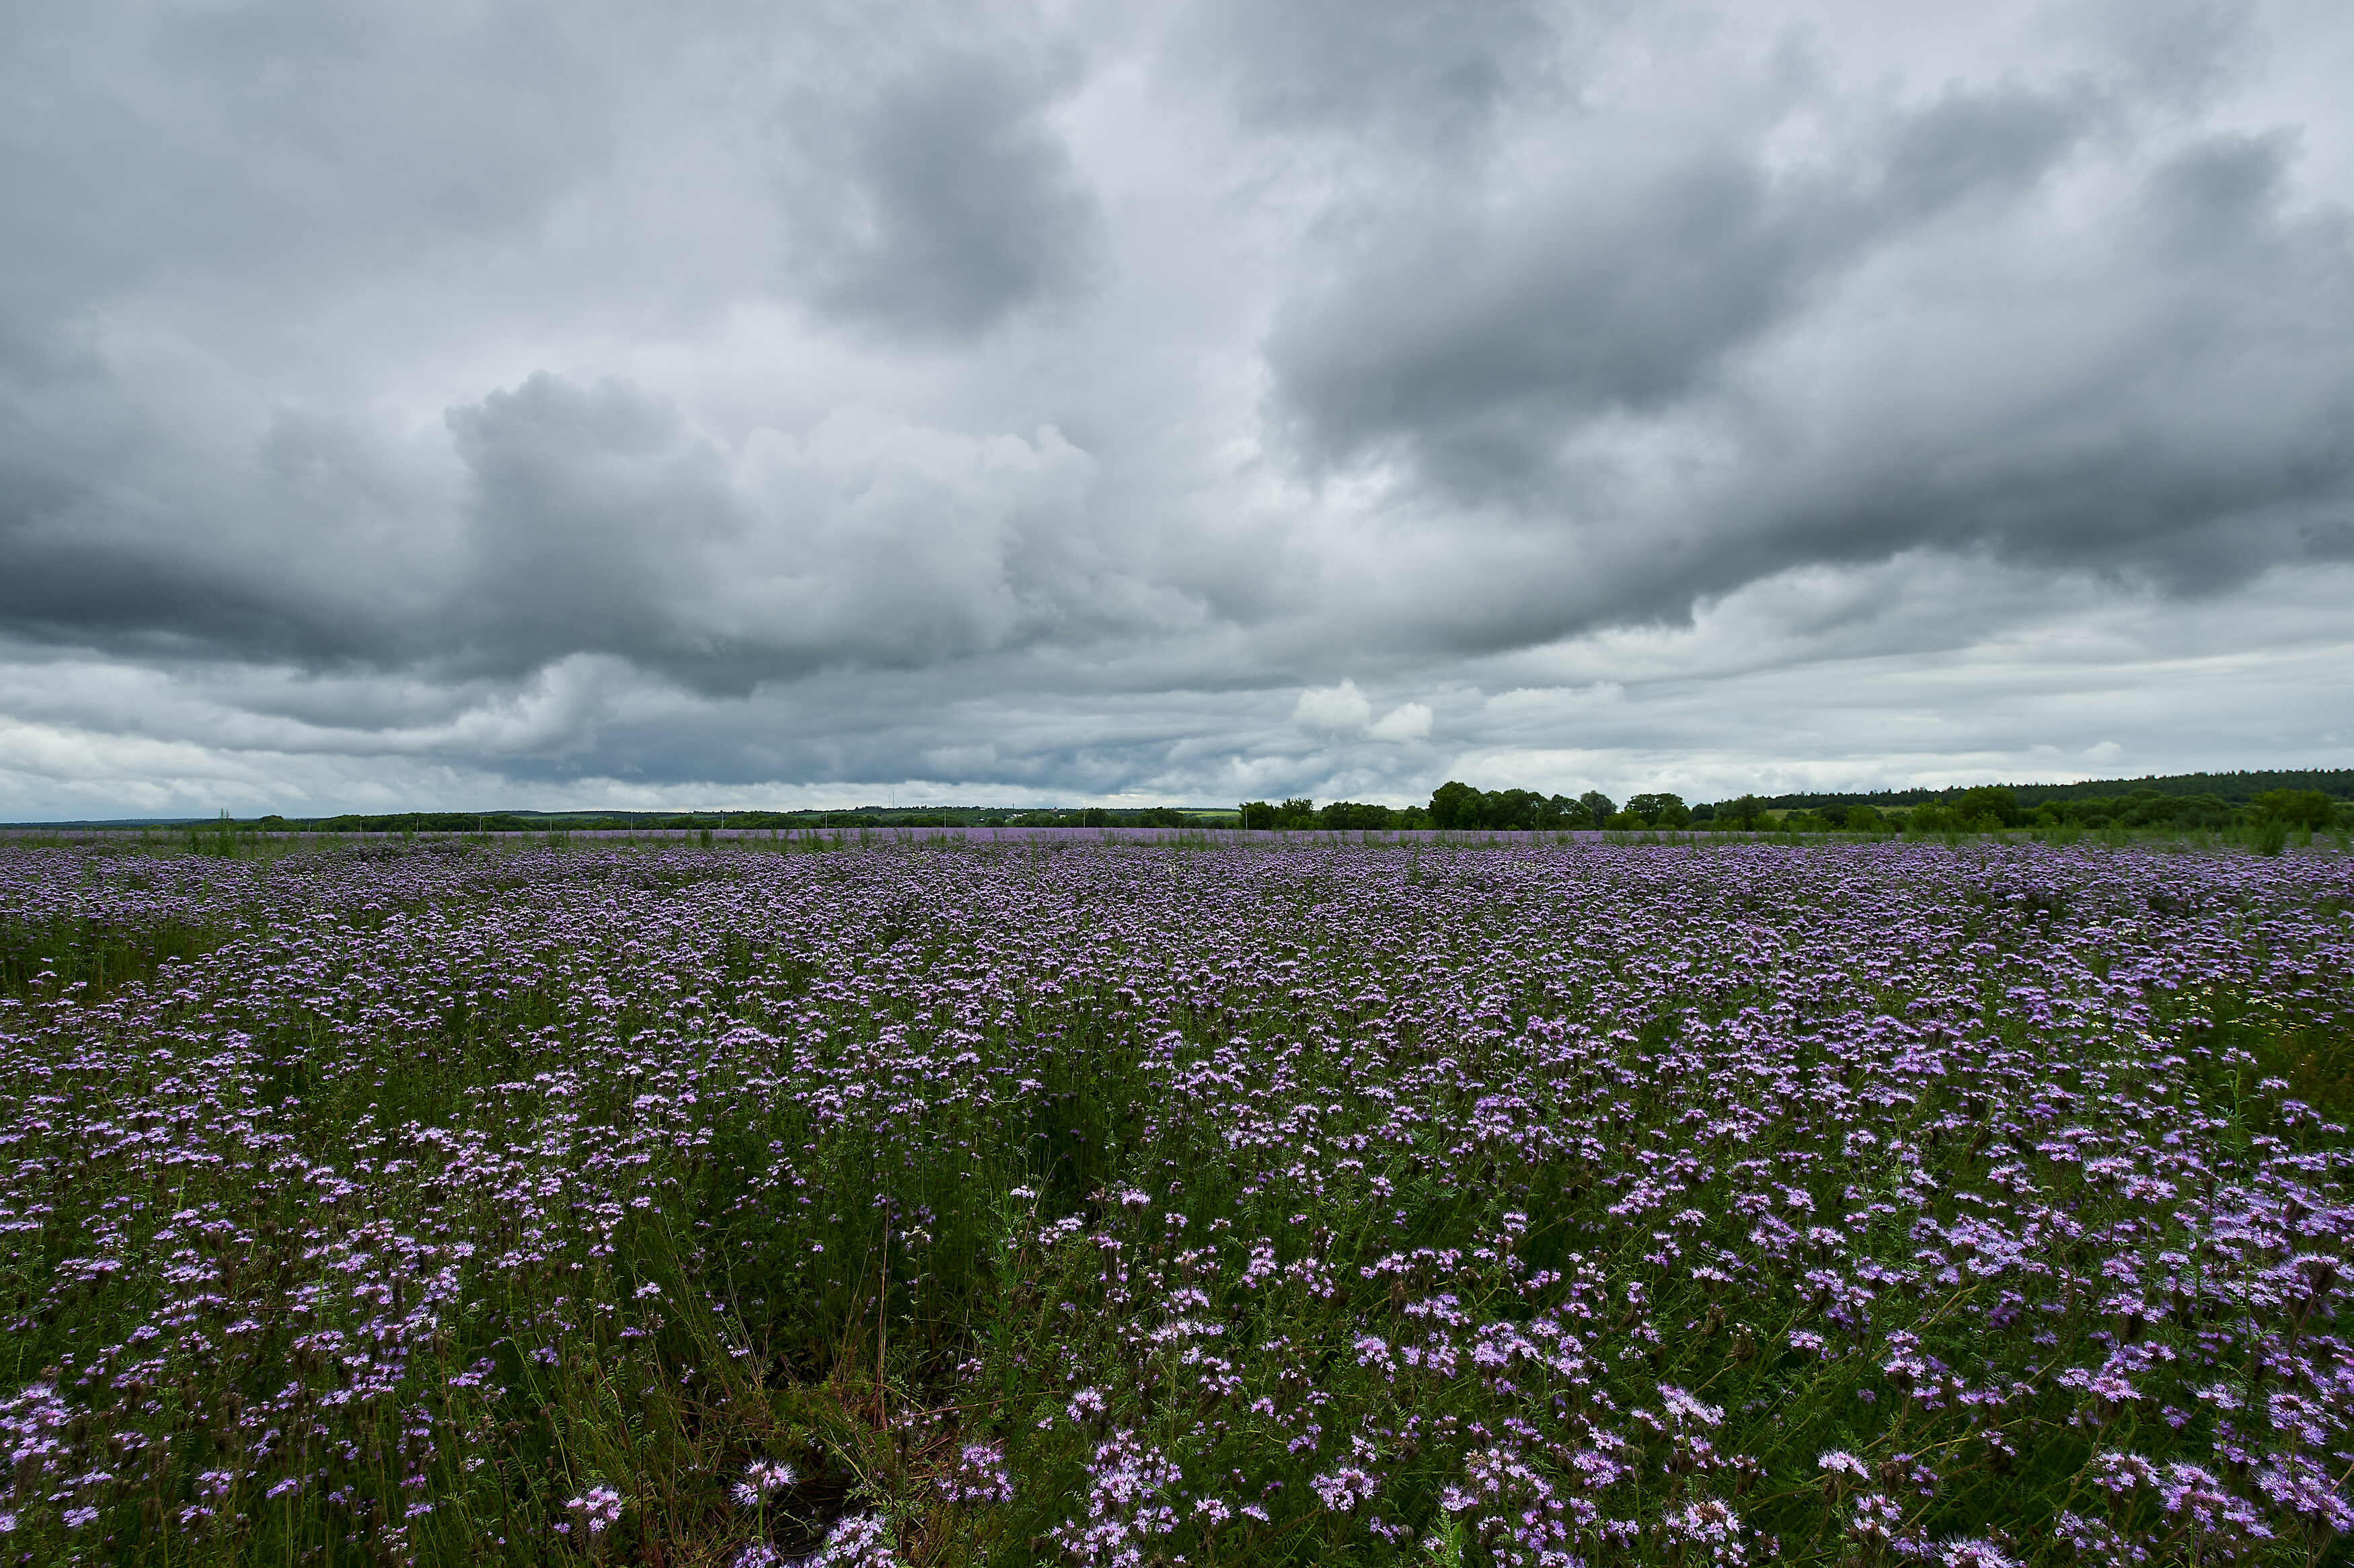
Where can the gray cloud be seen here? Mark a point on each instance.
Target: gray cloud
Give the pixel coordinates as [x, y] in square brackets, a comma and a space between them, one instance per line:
[590, 513]
[2178, 51]
[2195, 439]
[171, 146]
[2166, 405]
[942, 204]
[1218, 402]
[1479, 342]
[135, 528]
[1430, 76]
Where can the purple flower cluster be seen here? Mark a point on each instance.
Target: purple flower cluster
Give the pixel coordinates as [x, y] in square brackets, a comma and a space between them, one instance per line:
[1537, 1206]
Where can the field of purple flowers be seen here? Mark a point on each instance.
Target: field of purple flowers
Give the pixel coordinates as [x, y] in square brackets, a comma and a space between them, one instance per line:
[1114, 1203]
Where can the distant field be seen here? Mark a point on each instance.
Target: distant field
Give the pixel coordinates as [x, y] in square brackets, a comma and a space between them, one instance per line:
[1132, 1196]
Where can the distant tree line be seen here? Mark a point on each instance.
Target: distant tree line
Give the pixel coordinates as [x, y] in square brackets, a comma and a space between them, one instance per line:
[1296, 815]
[1458, 807]
[2313, 800]
[2239, 789]
[1991, 806]
[1979, 809]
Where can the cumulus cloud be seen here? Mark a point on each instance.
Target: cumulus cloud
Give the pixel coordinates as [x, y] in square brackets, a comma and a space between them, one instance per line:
[1077, 402]
[599, 523]
[1405, 722]
[1341, 708]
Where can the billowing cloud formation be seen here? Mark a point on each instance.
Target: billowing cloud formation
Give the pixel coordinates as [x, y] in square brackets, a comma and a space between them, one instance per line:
[938, 205]
[1337, 708]
[597, 523]
[474, 403]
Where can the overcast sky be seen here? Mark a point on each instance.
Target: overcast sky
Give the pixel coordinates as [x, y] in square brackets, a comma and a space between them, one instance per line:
[469, 405]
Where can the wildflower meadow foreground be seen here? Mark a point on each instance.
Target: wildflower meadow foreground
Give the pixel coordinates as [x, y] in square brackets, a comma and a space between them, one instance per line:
[1020, 1200]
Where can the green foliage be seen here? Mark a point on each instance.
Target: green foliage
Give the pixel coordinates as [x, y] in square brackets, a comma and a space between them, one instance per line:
[1745, 813]
[1936, 817]
[1454, 806]
[1988, 806]
[2142, 810]
[92, 958]
[1349, 815]
[2306, 809]
[1462, 807]
[1294, 815]
[1659, 811]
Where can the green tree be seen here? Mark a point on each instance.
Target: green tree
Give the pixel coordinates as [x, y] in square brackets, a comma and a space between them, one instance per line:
[1598, 807]
[1989, 804]
[1745, 813]
[1519, 810]
[2295, 808]
[1352, 815]
[1457, 806]
[1659, 811]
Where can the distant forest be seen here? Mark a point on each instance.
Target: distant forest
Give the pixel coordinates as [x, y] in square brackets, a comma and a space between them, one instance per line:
[2307, 799]
[2239, 789]
[2316, 798]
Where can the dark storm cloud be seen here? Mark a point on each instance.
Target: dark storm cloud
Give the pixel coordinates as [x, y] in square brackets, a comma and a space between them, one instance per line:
[1480, 340]
[599, 523]
[67, 589]
[2206, 439]
[957, 203]
[1079, 397]
[176, 170]
[118, 530]
[232, 171]
[2174, 414]
[578, 519]
[591, 508]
